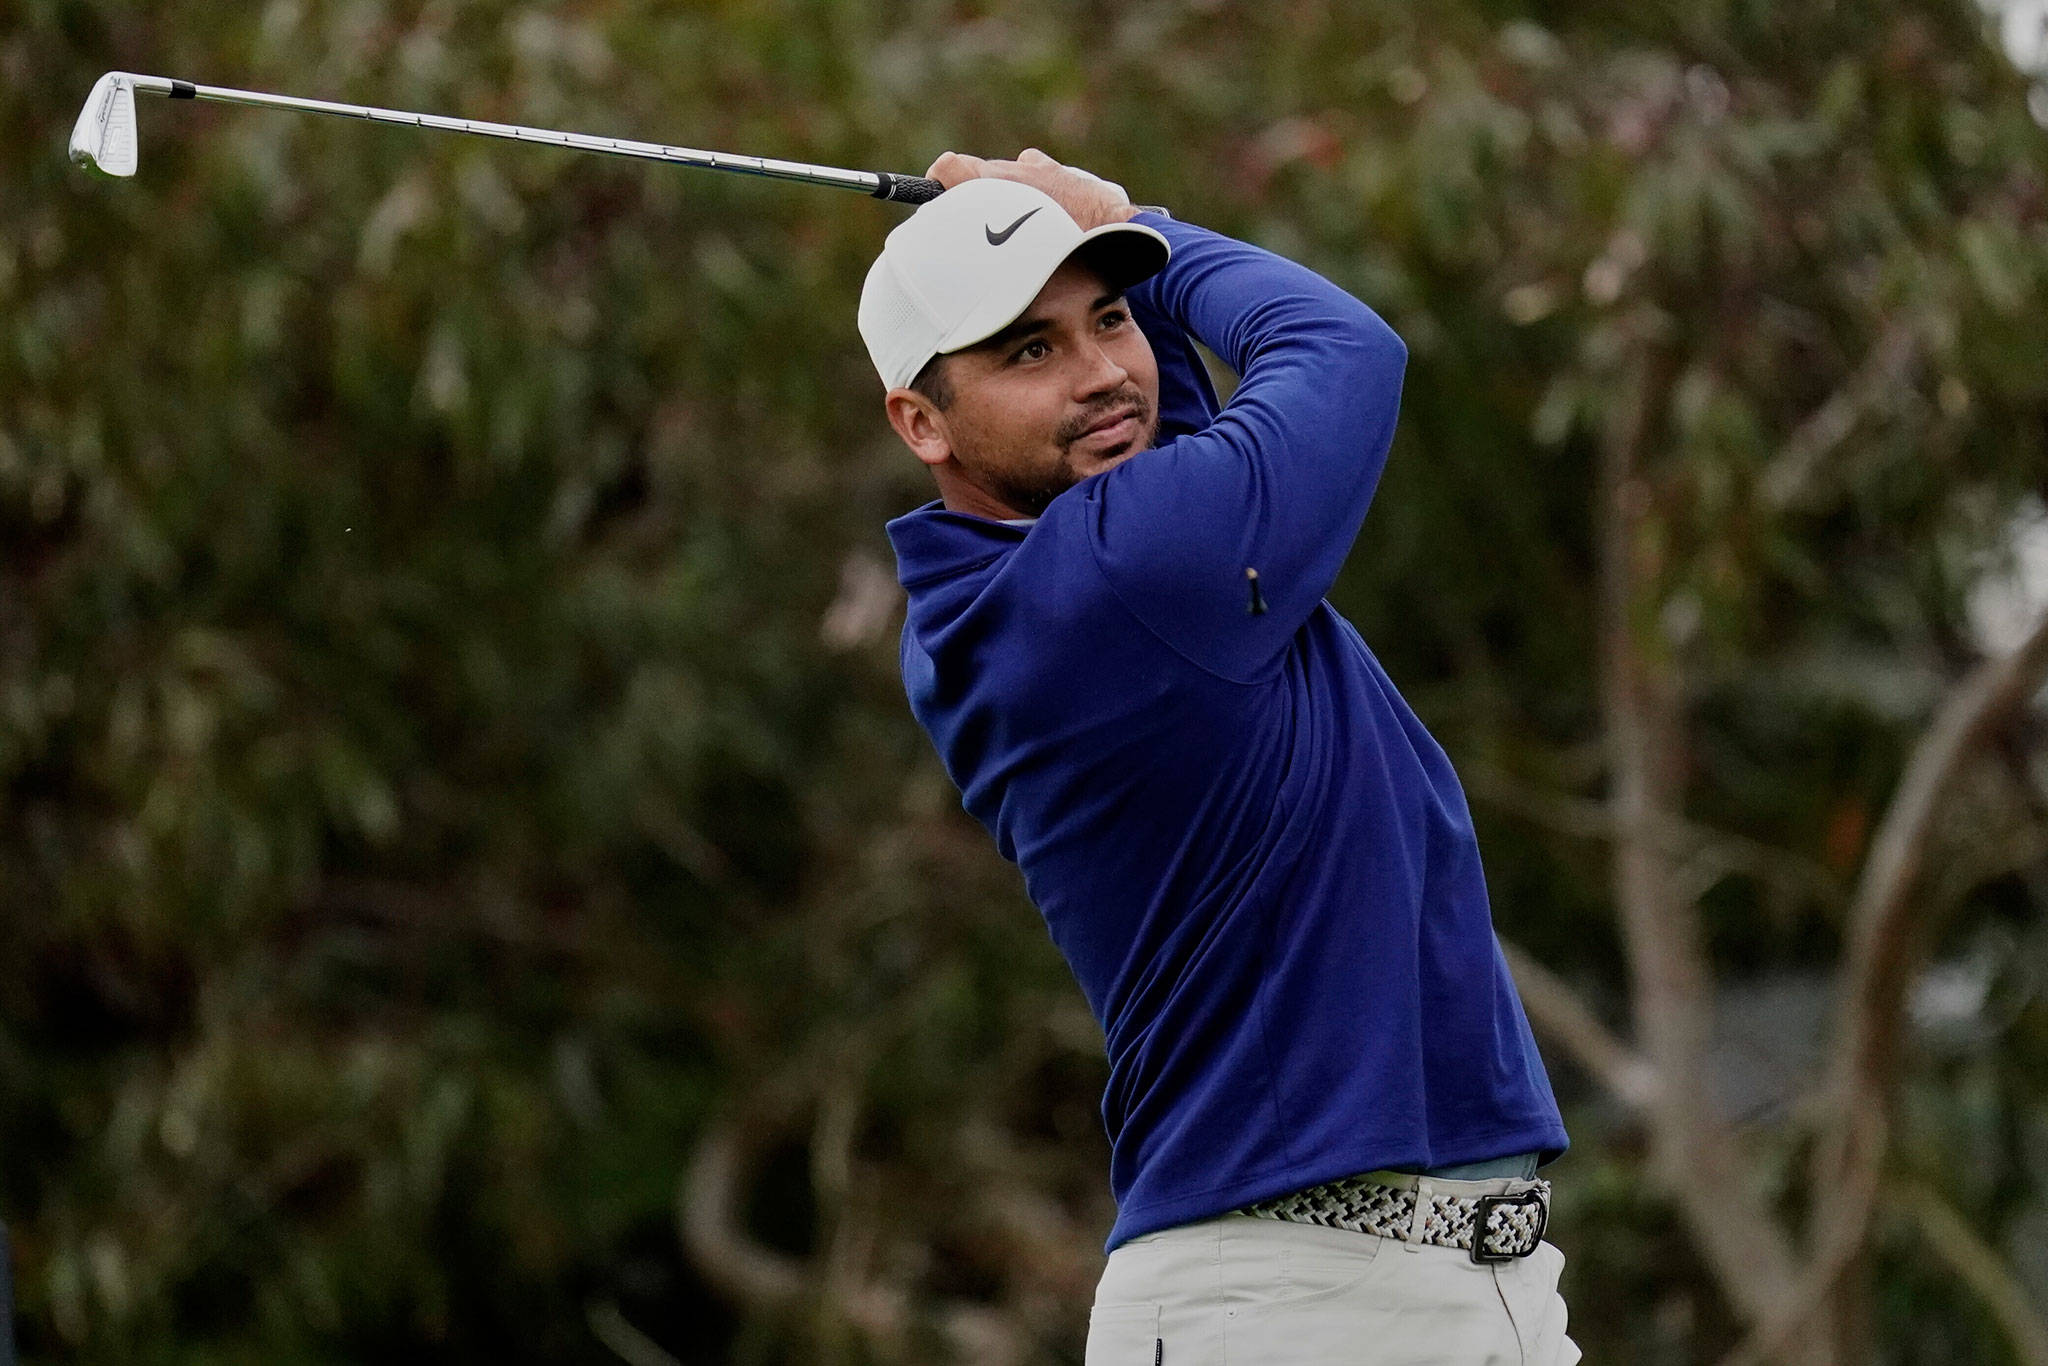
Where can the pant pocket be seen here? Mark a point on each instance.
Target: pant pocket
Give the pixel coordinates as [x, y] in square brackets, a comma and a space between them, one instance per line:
[1529, 1288]
[1269, 1265]
[1123, 1335]
[1303, 1295]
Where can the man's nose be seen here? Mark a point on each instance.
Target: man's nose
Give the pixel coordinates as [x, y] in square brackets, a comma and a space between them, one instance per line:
[1100, 372]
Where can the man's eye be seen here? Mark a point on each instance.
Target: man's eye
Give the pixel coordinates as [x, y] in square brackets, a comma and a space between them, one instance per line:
[1024, 352]
[1116, 317]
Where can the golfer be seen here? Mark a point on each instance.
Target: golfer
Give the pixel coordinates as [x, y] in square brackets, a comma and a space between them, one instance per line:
[1325, 1108]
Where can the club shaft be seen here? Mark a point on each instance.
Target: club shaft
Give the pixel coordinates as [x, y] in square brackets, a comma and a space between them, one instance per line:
[875, 183]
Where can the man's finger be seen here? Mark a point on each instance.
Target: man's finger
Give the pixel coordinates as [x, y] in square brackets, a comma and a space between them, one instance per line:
[1035, 157]
[1016, 170]
[953, 167]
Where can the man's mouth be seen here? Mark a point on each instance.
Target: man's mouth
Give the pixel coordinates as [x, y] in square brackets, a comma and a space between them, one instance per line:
[1114, 429]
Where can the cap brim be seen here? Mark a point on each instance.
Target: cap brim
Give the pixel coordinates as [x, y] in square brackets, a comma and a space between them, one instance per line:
[1123, 254]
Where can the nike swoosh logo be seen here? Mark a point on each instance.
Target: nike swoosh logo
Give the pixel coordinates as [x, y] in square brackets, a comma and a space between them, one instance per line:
[996, 239]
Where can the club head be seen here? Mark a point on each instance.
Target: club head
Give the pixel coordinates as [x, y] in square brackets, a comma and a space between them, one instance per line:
[104, 137]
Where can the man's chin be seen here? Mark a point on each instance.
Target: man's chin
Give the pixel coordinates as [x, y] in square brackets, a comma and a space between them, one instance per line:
[1116, 455]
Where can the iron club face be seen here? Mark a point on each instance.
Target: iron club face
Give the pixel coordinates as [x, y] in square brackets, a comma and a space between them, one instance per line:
[104, 137]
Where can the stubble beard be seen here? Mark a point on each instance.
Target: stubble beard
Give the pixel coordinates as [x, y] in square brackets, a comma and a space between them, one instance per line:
[1032, 492]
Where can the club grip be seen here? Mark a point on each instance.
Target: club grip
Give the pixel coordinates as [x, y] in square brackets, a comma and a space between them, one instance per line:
[907, 189]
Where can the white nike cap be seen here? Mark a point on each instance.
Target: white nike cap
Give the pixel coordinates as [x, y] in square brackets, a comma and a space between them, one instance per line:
[968, 263]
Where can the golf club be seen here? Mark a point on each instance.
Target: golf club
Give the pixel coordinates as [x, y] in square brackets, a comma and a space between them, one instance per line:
[105, 137]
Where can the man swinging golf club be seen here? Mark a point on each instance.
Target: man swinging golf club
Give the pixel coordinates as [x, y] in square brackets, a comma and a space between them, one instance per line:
[1325, 1108]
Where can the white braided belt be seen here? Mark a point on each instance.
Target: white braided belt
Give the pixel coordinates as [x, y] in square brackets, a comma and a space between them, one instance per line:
[1513, 1222]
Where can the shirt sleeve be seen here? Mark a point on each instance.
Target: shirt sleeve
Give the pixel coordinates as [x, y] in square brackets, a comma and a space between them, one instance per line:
[1278, 482]
[1187, 399]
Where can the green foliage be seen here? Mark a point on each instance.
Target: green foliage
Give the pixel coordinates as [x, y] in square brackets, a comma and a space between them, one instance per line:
[451, 756]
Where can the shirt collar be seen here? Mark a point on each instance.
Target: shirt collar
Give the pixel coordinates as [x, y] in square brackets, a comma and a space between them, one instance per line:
[932, 541]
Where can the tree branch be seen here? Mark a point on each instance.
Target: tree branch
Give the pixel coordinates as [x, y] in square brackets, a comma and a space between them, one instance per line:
[1786, 480]
[1980, 1268]
[1721, 850]
[708, 1219]
[765, 1281]
[1769, 1335]
[1883, 921]
[1560, 1016]
[610, 1326]
[1882, 910]
[1849, 1162]
[1693, 1156]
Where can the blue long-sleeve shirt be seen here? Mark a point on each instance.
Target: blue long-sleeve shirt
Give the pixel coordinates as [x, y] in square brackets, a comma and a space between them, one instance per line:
[1258, 864]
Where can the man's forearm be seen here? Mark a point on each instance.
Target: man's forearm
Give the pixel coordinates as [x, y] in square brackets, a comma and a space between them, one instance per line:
[1279, 482]
[1241, 300]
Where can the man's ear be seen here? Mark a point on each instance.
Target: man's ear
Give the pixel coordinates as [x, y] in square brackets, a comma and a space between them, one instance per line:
[920, 425]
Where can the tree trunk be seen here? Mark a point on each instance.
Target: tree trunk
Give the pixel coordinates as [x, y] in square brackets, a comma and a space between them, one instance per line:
[1693, 1154]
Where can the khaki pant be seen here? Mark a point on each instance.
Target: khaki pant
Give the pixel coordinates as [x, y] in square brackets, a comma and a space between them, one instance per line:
[1244, 1291]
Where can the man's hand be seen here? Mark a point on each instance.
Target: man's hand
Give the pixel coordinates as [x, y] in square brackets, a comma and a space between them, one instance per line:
[1088, 199]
